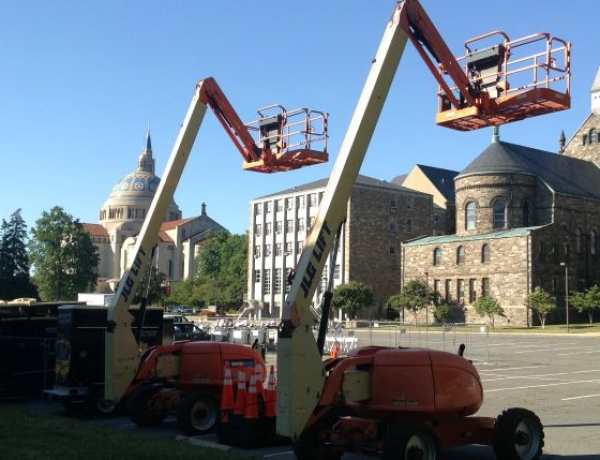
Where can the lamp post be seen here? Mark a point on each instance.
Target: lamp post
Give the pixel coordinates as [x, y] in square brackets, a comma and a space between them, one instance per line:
[564, 264]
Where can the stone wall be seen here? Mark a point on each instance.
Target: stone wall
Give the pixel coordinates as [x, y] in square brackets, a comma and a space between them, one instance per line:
[375, 231]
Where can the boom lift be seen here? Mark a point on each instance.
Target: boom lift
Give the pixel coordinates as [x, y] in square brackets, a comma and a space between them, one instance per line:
[279, 140]
[405, 403]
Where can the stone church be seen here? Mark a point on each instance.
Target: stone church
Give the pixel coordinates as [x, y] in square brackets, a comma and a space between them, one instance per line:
[524, 218]
[122, 216]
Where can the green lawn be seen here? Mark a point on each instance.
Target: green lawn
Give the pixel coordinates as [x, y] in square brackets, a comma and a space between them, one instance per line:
[26, 435]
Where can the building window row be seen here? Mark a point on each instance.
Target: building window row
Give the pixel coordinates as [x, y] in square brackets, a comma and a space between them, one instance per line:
[499, 214]
[458, 297]
[485, 255]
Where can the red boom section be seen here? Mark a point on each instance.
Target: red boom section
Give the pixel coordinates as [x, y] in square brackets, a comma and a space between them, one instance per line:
[500, 82]
[286, 139]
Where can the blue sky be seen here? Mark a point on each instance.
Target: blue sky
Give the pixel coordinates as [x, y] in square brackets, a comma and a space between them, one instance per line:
[80, 81]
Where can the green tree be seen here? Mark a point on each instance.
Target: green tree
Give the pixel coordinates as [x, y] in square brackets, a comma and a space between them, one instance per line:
[542, 303]
[352, 297]
[14, 261]
[63, 257]
[446, 313]
[414, 297]
[188, 292]
[154, 291]
[587, 302]
[221, 276]
[488, 306]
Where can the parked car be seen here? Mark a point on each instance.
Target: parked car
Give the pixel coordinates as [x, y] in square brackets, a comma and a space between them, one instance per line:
[181, 309]
[189, 331]
[176, 319]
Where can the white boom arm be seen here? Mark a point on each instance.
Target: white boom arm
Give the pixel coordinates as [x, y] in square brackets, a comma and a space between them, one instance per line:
[122, 351]
[300, 371]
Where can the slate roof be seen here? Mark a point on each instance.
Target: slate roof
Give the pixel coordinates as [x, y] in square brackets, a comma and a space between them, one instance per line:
[360, 180]
[562, 174]
[441, 239]
[443, 179]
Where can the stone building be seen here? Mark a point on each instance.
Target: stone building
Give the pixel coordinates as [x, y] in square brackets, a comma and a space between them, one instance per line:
[380, 215]
[439, 183]
[524, 218]
[121, 218]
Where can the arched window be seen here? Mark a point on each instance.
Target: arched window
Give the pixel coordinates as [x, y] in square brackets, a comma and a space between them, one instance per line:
[460, 255]
[592, 136]
[437, 256]
[578, 245]
[541, 251]
[526, 215]
[470, 216]
[499, 213]
[485, 254]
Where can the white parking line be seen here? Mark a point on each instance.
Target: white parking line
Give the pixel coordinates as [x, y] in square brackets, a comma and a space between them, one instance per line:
[541, 386]
[580, 397]
[579, 353]
[537, 351]
[539, 376]
[483, 371]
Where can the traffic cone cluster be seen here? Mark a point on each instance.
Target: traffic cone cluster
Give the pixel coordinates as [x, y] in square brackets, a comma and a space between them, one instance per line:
[244, 421]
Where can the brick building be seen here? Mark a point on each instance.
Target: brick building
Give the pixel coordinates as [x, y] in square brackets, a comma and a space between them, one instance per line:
[380, 215]
[524, 218]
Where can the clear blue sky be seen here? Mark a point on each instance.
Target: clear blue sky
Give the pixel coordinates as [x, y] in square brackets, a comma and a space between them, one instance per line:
[80, 81]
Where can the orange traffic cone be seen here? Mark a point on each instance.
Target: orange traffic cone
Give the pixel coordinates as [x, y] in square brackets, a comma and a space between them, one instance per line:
[258, 379]
[334, 351]
[251, 410]
[240, 397]
[270, 394]
[227, 402]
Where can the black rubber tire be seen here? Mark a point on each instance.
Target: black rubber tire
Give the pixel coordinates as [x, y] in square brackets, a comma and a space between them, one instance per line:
[410, 440]
[312, 444]
[197, 413]
[100, 407]
[518, 435]
[140, 407]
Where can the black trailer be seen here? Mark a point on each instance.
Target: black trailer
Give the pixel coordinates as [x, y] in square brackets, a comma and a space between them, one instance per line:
[27, 338]
[79, 348]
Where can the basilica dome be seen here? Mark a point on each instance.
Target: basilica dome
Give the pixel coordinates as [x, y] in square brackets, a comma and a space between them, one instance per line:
[138, 183]
[130, 198]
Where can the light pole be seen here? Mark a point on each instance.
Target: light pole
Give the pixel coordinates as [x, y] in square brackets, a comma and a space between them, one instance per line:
[564, 264]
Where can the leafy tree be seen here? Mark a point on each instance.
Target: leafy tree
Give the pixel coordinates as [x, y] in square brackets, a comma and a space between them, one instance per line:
[446, 313]
[155, 292]
[414, 297]
[587, 302]
[488, 306]
[542, 303]
[221, 276]
[188, 292]
[352, 297]
[63, 256]
[14, 260]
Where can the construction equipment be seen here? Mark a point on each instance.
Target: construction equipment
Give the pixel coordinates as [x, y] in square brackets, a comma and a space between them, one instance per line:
[180, 374]
[404, 403]
[186, 379]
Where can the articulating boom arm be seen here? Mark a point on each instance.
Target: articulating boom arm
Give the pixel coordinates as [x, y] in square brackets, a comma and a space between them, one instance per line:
[300, 371]
[122, 352]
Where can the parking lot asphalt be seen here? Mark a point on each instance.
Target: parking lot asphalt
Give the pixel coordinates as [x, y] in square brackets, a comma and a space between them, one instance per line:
[555, 376]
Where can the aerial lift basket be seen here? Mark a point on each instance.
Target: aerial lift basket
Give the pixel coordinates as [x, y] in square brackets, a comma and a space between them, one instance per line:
[508, 81]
